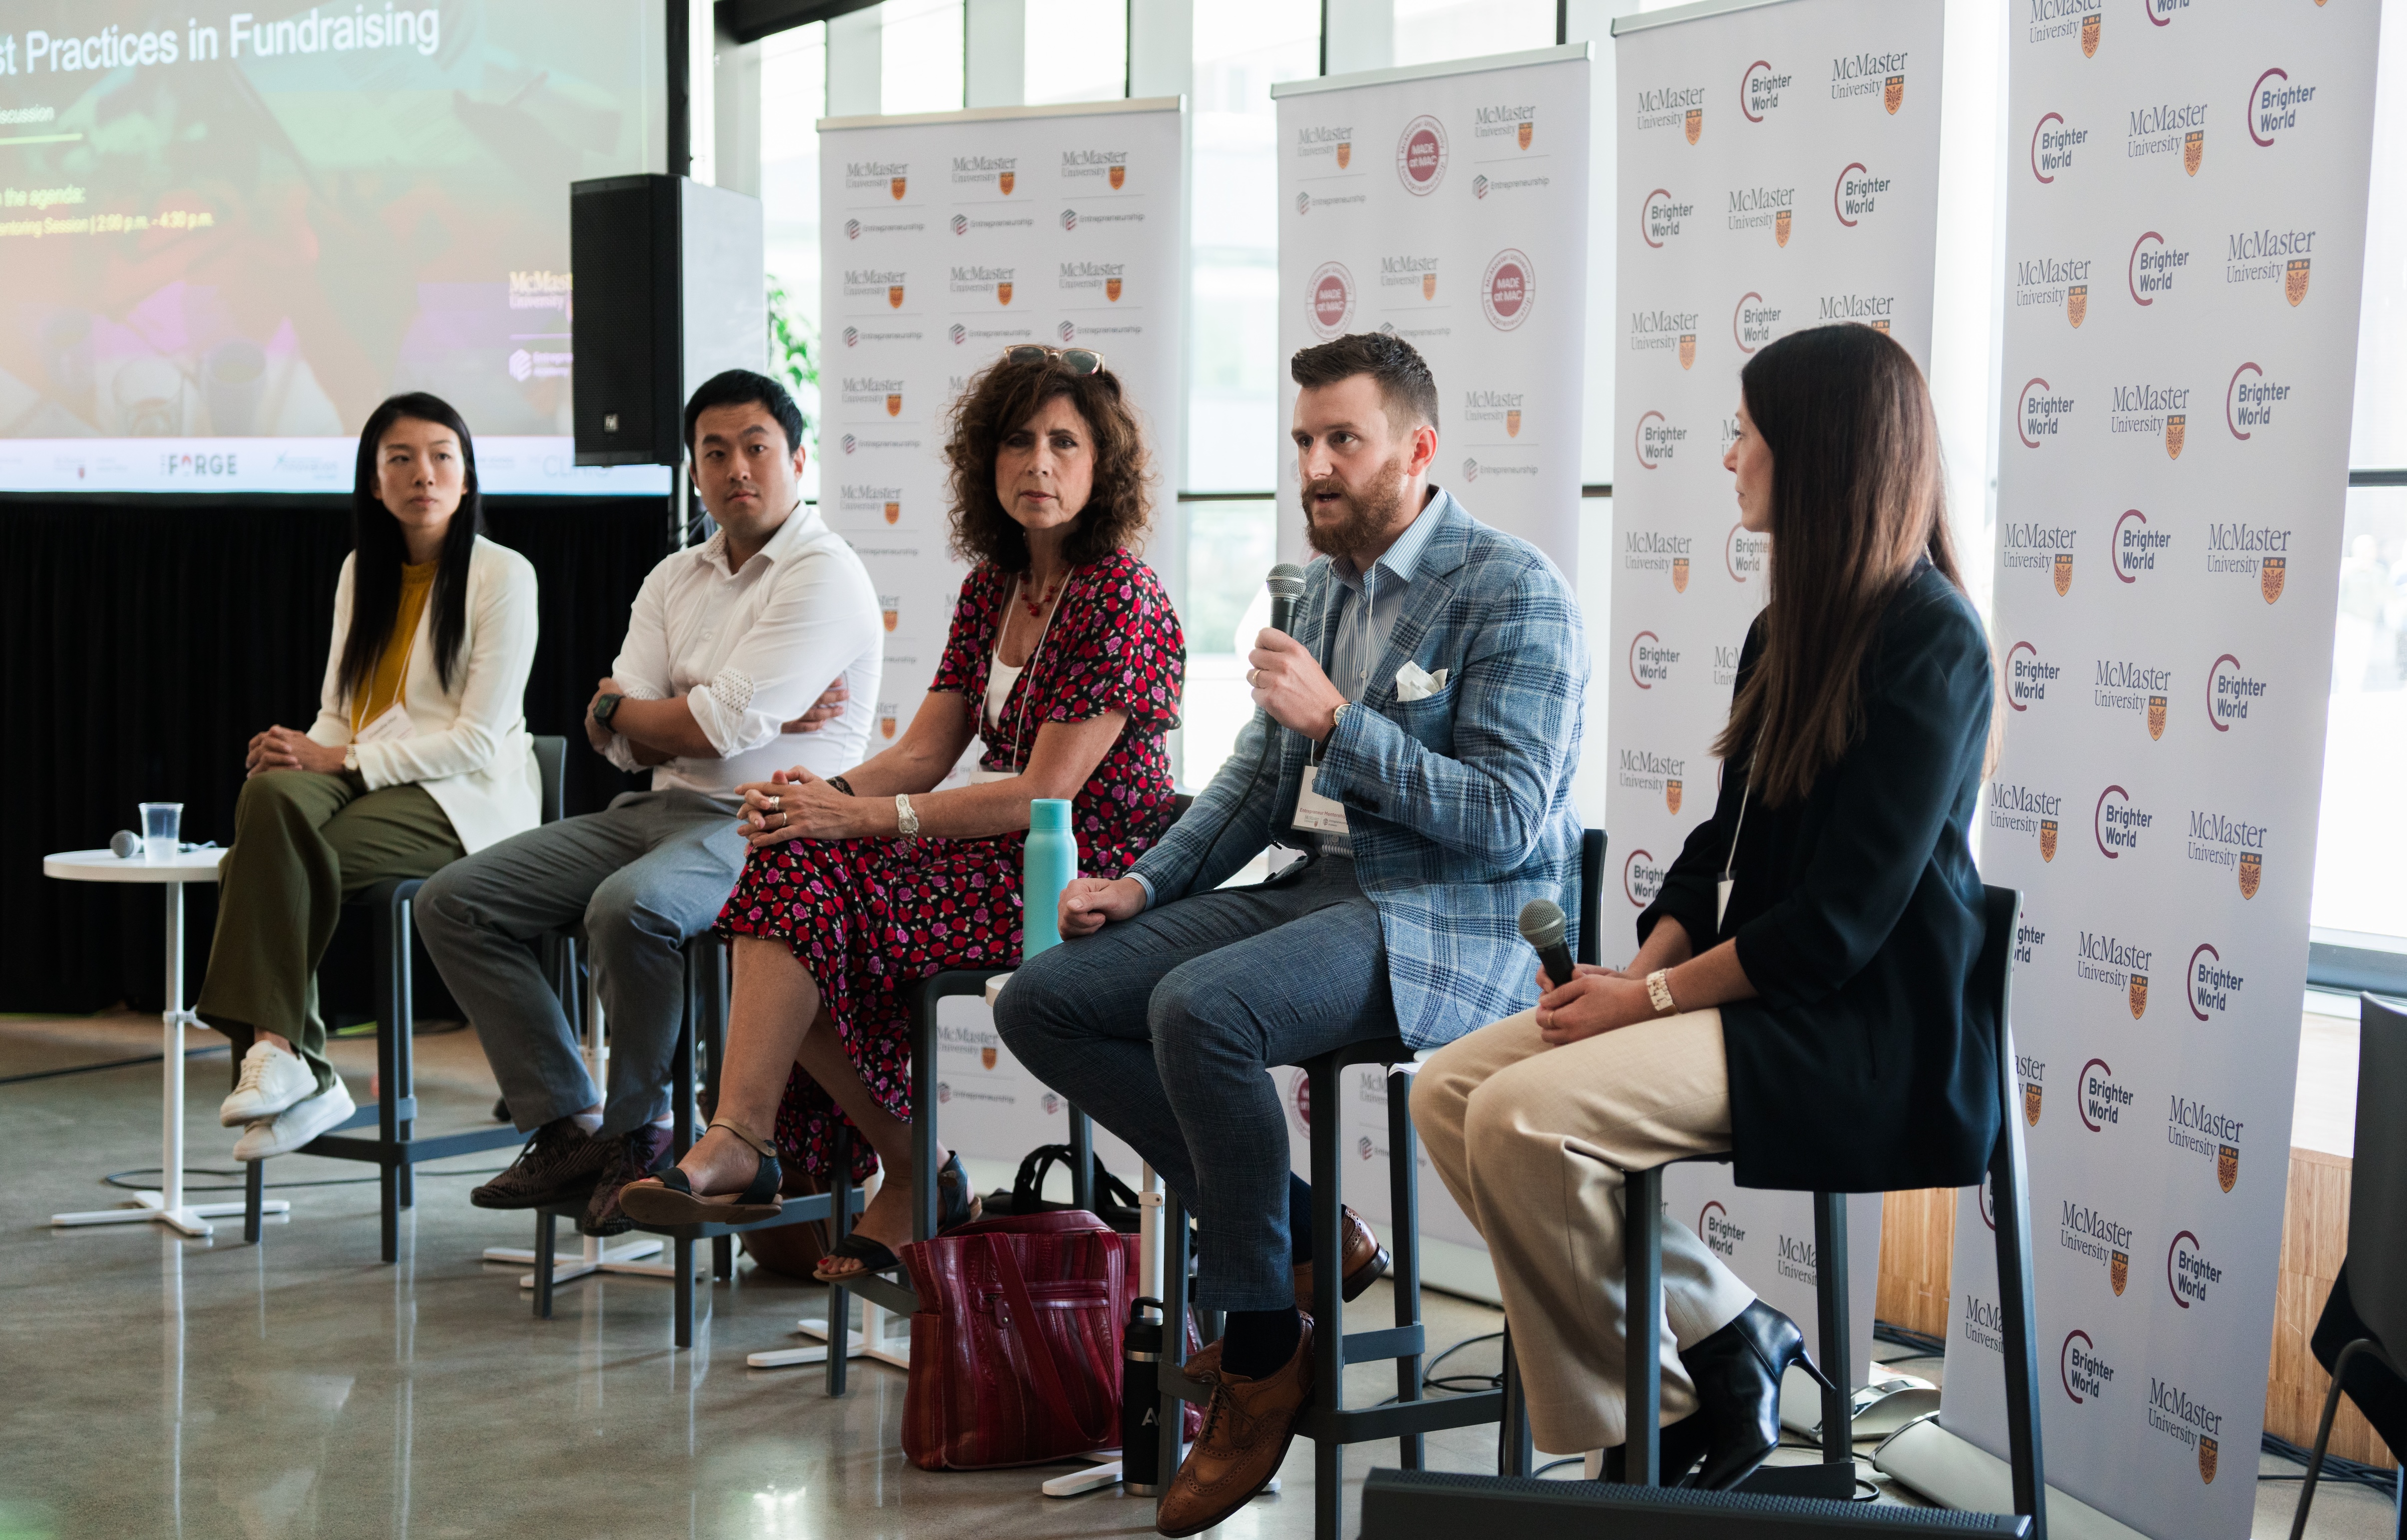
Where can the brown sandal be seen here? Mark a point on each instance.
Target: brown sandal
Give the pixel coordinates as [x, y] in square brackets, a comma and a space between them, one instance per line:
[669, 1198]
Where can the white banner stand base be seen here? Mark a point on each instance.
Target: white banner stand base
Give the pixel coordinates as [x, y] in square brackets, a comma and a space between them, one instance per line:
[192, 1218]
[874, 1340]
[1954, 1473]
[626, 1257]
[788, 1358]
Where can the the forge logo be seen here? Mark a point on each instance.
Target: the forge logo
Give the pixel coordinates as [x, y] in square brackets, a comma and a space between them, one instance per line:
[2154, 268]
[2053, 144]
[1661, 216]
[1753, 322]
[1508, 290]
[1421, 156]
[1650, 662]
[2100, 1098]
[2254, 554]
[1855, 197]
[1759, 90]
[1641, 770]
[1652, 551]
[2122, 684]
[2041, 548]
[2118, 823]
[2028, 676]
[1743, 553]
[1657, 440]
[2283, 255]
[2040, 412]
[2031, 1073]
[2086, 1230]
[2136, 545]
[2054, 280]
[2020, 809]
[2189, 1276]
[2249, 402]
[1761, 207]
[1681, 108]
[2085, 1373]
[2273, 103]
[2209, 986]
[1329, 299]
[2220, 839]
[2230, 691]
[2176, 129]
[2194, 1126]
[1642, 879]
[1718, 1231]
[2051, 20]
[2104, 959]
[1879, 76]
[2181, 1417]
[2149, 409]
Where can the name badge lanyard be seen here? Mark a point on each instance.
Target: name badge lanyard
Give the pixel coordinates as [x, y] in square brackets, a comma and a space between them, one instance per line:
[400, 695]
[1026, 683]
[1730, 861]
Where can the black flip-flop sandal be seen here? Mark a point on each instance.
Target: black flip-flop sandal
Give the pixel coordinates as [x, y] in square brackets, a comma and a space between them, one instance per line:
[669, 1199]
[873, 1257]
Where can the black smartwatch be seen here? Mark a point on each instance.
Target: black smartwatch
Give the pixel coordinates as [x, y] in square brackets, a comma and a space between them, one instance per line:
[606, 709]
[841, 784]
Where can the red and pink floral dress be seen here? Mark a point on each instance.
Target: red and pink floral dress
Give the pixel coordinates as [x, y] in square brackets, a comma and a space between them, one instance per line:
[868, 916]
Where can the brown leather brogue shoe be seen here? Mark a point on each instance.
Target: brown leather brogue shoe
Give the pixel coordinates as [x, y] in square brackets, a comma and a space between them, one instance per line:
[1366, 1260]
[1246, 1432]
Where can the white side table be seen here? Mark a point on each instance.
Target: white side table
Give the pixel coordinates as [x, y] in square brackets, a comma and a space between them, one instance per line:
[166, 1205]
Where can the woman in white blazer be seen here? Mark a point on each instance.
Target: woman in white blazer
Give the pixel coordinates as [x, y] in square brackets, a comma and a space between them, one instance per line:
[419, 755]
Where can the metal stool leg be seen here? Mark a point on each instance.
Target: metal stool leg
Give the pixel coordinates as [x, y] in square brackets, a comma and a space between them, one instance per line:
[683, 1251]
[1405, 1216]
[839, 1298]
[1173, 1318]
[547, 1256]
[1642, 1208]
[254, 1192]
[1517, 1452]
[1328, 1299]
[1831, 1302]
[1082, 1161]
[722, 1257]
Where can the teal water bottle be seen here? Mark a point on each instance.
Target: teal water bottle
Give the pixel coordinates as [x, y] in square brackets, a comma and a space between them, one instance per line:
[1052, 861]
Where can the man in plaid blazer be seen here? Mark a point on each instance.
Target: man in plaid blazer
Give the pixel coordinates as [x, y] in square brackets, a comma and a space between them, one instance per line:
[1416, 739]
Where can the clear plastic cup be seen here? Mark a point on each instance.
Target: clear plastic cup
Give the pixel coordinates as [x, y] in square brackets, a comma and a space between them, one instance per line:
[161, 823]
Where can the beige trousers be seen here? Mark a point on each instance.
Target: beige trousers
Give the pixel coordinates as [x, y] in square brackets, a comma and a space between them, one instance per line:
[1533, 1141]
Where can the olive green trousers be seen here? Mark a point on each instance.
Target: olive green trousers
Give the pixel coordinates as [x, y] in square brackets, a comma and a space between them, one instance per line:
[304, 843]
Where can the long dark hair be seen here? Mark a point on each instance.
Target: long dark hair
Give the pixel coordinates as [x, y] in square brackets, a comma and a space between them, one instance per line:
[999, 399]
[378, 552]
[1857, 498]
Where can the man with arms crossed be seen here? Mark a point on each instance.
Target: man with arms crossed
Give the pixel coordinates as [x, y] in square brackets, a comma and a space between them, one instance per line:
[727, 646]
[1416, 739]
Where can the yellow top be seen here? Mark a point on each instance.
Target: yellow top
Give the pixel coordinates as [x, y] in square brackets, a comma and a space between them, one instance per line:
[387, 684]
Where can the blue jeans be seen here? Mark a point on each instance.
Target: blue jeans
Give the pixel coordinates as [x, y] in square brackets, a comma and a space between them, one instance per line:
[1160, 1029]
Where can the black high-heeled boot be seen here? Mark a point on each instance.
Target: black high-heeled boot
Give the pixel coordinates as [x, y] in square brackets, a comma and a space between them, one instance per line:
[1679, 1444]
[1737, 1374]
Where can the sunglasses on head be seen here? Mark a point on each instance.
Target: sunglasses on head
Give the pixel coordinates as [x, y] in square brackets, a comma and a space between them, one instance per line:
[1079, 361]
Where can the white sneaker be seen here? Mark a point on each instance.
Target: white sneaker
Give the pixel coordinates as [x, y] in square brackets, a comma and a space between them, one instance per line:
[272, 1080]
[296, 1125]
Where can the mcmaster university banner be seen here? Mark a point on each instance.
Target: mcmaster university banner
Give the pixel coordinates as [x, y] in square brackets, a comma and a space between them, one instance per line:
[2173, 467]
[1778, 170]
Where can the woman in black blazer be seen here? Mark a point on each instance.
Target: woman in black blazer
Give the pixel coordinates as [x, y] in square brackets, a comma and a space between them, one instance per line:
[1817, 1021]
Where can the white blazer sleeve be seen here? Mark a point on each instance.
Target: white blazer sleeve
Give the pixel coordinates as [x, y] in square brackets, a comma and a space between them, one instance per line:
[493, 696]
[334, 725]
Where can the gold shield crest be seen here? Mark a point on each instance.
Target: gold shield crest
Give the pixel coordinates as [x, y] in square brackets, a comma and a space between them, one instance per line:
[1117, 176]
[1781, 222]
[2177, 429]
[2047, 839]
[1513, 422]
[1671, 796]
[2193, 149]
[2227, 1165]
[1002, 292]
[2155, 716]
[1696, 123]
[1527, 129]
[896, 187]
[2139, 995]
[894, 513]
[2076, 303]
[894, 296]
[1112, 290]
[1688, 349]
[1679, 575]
[2271, 577]
[2252, 873]
[1881, 326]
[987, 1058]
[2294, 283]
[1893, 93]
[1004, 179]
[2089, 36]
[2030, 1105]
[893, 405]
[1429, 286]
[2118, 1270]
[886, 724]
[2063, 573]
[1344, 153]
[2206, 1452]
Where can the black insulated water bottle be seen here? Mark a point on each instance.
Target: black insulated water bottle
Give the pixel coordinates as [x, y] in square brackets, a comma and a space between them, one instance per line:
[1141, 1400]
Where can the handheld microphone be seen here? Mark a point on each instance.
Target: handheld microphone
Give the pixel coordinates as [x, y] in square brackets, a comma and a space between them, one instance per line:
[1542, 927]
[1286, 583]
[125, 845]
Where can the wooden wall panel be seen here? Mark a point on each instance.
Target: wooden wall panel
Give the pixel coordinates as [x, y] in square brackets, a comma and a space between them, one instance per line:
[1917, 1249]
[2314, 1241]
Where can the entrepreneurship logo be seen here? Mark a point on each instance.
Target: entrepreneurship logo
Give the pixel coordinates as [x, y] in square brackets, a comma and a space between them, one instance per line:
[2087, 1232]
[2136, 544]
[1753, 322]
[2041, 548]
[2085, 1376]
[2273, 103]
[1328, 299]
[2219, 839]
[1657, 440]
[2040, 412]
[1856, 196]
[1718, 1231]
[1659, 217]
[1650, 661]
[2197, 1128]
[1641, 878]
[2053, 144]
[1759, 88]
[1508, 289]
[1421, 156]
[2208, 985]
[2153, 268]
[2189, 1276]
[1743, 553]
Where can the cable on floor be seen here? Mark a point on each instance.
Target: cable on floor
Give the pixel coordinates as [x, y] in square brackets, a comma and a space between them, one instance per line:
[126, 1178]
[2336, 1467]
[113, 1063]
[1899, 1336]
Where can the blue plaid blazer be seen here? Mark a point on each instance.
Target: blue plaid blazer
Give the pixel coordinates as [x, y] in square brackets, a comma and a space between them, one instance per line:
[1459, 806]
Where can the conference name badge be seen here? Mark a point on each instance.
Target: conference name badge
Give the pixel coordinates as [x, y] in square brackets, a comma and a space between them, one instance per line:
[1313, 812]
[391, 724]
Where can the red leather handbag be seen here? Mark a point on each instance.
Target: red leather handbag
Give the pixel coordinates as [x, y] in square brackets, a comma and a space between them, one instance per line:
[1015, 1346]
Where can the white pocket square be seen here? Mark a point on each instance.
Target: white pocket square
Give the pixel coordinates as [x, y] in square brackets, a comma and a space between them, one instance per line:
[1412, 684]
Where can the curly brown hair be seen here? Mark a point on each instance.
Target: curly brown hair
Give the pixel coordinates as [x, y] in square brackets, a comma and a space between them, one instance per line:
[997, 401]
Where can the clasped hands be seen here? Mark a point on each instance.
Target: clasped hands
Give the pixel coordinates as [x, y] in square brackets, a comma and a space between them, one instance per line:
[797, 805]
[1596, 1000]
[284, 748]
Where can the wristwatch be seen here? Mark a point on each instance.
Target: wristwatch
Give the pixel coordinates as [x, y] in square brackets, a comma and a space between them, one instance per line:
[906, 822]
[1659, 991]
[606, 707]
[350, 757]
[1339, 715]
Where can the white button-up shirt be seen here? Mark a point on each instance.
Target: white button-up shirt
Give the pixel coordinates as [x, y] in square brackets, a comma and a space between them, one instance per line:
[751, 649]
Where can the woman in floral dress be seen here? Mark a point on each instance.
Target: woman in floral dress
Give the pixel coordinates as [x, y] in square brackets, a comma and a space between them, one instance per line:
[1066, 660]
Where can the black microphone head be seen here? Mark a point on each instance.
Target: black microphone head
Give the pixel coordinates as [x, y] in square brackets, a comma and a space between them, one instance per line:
[1541, 923]
[1286, 581]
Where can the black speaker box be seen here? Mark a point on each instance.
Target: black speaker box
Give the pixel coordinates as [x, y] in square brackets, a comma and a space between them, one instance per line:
[668, 290]
[1439, 1505]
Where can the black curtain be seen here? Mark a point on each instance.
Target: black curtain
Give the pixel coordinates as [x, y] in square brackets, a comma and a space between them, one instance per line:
[144, 640]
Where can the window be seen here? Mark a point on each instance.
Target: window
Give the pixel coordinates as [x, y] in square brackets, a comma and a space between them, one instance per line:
[793, 98]
[1078, 50]
[919, 54]
[2361, 843]
[1430, 32]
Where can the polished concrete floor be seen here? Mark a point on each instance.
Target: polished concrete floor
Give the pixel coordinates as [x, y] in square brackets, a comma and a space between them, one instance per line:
[162, 1386]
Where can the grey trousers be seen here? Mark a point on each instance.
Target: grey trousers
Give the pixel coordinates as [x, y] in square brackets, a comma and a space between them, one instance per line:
[643, 877]
[1160, 1027]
